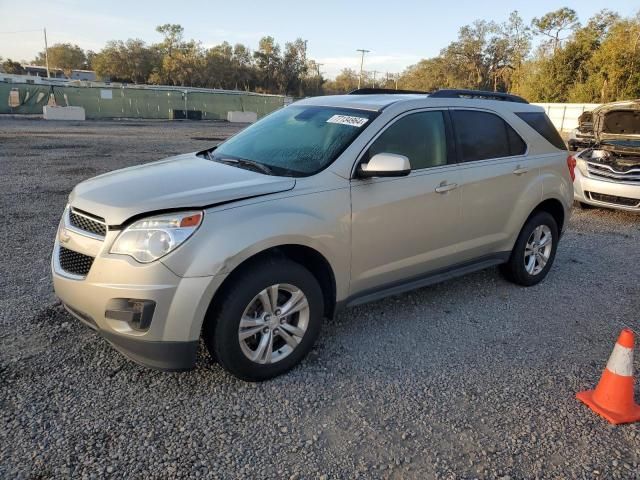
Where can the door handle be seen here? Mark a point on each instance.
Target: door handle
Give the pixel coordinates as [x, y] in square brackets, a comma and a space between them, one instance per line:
[520, 170]
[445, 187]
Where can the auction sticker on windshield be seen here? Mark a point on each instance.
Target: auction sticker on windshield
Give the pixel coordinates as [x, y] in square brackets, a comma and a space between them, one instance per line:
[348, 120]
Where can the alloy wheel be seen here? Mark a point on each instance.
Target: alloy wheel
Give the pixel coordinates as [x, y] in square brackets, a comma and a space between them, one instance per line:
[538, 249]
[274, 323]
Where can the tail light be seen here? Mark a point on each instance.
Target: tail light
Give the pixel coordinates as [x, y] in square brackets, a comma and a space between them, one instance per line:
[571, 163]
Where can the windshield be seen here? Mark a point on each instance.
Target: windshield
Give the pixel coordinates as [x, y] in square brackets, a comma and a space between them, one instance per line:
[294, 141]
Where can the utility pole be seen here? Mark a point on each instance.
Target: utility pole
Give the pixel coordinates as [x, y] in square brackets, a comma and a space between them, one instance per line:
[374, 77]
[363, 51]
[318, 65]
[46, 53]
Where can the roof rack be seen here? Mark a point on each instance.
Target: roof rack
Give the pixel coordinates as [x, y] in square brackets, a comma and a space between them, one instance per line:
[477, 94]
[445, 93]
[374, 91]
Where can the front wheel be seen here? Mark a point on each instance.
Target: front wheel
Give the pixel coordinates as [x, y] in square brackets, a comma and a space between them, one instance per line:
[267, 320]
[534, 251]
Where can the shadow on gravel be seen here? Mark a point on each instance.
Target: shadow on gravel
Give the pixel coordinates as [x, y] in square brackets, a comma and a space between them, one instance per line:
[209, 139]
[54, 314]
[78, 171]
[61, 146]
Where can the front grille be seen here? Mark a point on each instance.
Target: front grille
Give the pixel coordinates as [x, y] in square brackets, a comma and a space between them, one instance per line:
[614, 200]
[88, 224]
[74, 262]
[631, 175]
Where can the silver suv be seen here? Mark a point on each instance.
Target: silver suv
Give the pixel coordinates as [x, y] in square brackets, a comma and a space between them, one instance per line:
[329, 202]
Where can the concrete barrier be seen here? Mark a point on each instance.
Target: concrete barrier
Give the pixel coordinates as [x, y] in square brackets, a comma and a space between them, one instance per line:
[62, 113]
[242, 117]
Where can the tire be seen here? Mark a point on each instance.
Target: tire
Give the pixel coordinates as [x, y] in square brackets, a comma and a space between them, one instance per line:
[515, 270]
[222, 333]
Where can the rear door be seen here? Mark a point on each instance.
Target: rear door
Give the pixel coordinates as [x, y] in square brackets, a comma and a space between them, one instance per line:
[496, 177]
[407, 226]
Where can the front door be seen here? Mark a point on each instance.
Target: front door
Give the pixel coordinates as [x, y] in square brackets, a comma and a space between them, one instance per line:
[405, 227]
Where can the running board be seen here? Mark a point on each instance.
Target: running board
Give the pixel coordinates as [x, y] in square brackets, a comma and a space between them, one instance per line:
[430, 278]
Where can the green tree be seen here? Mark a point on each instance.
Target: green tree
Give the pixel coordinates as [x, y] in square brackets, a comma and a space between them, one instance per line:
[293, 67]
[518, 37]
[172, 34]
[553, 24]
[184, 67]
[130, 61]
[9, 66]
[312, 81]
[66, 56]
[595, 64]
[426, 75]
[614, 68]
[268, 62]
[245, 72]
[345, 81]
[219, 66]
[468, 57]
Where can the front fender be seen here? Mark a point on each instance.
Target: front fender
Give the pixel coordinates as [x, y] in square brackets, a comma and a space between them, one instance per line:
[229, 236]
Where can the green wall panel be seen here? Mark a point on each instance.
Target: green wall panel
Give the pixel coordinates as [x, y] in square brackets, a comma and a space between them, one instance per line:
[101, 102]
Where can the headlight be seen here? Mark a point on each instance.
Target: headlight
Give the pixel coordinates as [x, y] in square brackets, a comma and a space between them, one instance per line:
[151, 238]
[582, 166]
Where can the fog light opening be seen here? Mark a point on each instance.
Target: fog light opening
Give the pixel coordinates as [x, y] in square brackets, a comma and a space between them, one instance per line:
[136, 312]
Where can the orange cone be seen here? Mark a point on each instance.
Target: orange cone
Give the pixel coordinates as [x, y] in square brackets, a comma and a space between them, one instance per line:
[613, 397]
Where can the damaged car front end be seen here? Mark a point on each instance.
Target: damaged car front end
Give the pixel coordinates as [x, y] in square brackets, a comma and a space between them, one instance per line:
[608, 173]
[582, 137]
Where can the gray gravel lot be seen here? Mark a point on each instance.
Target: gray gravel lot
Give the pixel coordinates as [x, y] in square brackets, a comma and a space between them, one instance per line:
[472, 378]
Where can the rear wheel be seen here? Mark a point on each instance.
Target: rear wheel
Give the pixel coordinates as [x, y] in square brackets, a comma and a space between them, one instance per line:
[534, 251]
[267, 320]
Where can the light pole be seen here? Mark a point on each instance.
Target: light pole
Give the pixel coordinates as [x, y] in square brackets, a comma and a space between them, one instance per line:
[375, 72]
[363, 51]
[46, 53]
[318, 65]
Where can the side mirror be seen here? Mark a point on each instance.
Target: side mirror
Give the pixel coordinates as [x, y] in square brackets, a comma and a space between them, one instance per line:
[385, 165]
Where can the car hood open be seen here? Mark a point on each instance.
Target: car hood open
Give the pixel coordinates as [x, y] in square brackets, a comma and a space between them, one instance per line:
[618, 121]
[184, 181]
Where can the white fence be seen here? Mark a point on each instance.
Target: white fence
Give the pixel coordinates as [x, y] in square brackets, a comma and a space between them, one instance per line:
[565, 115]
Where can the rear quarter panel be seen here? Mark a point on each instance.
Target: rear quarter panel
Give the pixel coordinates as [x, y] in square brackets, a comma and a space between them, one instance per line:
[554, 177]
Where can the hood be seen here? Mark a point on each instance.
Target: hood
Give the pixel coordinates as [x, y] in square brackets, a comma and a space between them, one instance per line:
[585, 123]
[184, 181]
[617, 121]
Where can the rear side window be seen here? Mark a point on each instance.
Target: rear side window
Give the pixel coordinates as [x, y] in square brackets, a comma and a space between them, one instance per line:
[483, 135]
[541, 124]
[420, 137]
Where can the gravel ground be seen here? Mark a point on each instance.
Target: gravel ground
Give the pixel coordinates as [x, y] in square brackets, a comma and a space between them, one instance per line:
[472, 378]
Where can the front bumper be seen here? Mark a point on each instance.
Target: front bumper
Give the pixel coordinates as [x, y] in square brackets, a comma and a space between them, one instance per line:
[171, 340]
[605, 193]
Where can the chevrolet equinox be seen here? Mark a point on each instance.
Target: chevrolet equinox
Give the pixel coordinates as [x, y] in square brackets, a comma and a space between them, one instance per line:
[329, 202]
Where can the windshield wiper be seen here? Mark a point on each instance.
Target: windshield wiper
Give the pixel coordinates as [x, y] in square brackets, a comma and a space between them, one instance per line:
[244, 163]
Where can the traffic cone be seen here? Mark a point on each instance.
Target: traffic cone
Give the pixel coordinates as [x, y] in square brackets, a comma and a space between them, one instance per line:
[613, 397]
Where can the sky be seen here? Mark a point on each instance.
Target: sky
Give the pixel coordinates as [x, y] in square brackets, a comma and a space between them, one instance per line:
[398, 33]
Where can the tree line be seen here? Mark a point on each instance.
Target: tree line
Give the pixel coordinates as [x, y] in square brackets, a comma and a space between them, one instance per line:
[179, 62]
[597, 61]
